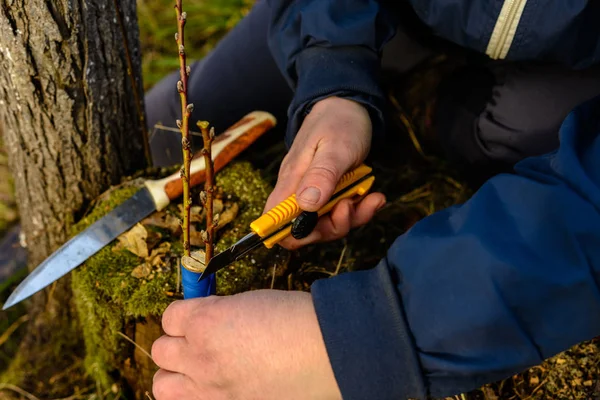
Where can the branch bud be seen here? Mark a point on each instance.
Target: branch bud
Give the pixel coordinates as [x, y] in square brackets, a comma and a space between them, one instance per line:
[182, 172]
[190, 108]
[216, 219]
[176, 36]
[183, 16]
[179, 86]
[181, 49]
[203, 197]
[212, 133]
[178, 122]
[204, 236]
[185, 143]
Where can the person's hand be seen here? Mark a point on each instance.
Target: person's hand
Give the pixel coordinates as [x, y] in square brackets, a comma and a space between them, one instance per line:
[335, 137]
[259, 345]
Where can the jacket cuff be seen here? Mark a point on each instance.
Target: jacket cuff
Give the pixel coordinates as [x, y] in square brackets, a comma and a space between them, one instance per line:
[351, 72]
[368, 341]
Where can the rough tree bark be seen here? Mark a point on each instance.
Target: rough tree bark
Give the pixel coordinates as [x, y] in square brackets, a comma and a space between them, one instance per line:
[70, 116]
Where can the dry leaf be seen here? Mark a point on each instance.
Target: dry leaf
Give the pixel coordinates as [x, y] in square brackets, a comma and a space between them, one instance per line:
[534, 381]
[228, 215]
[134, 240]
[141, 271]
[196, 237]
[161, 250]
[197, 214]
[153, 239]
[217, 206]
[164, 220]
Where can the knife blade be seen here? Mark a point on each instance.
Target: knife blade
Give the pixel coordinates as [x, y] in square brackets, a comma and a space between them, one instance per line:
[155, 196]
[279, 222]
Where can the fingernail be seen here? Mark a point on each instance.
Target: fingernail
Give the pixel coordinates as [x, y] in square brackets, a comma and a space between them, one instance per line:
[310, 195]
[380, 206]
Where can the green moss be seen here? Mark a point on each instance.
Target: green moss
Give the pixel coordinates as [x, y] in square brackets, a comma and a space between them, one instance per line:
[115, 198]
[246, 186]
[108, 297]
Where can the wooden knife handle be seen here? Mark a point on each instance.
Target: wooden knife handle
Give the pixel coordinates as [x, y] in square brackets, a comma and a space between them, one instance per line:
[226, 146]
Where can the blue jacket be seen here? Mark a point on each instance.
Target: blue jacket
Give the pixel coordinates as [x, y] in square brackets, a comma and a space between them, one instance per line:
[477, 292]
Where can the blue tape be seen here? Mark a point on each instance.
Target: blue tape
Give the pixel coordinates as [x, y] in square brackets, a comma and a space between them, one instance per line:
[192, 288]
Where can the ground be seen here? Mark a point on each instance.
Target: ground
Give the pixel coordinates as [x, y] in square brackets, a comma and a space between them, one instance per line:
[416, 186]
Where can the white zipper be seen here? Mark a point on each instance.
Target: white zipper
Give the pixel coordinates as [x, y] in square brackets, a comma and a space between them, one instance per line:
[505, 29]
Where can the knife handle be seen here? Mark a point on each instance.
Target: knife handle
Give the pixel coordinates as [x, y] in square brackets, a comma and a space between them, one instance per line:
[357, 192]
[226, 146]
[287, 210]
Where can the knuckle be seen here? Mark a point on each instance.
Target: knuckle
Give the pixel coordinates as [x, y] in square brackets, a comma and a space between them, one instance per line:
[161, 387]
[324, 171]
[159, 352]
[170, 315]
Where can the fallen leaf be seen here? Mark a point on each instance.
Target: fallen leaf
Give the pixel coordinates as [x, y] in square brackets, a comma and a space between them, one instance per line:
[164, 220]
[534, 381]
[161, 250]
[197, 214]
[588, 383]
[153, 239]
[196, 237]
[228, 215]
[134, 240]
[141, 271]
[217, 206]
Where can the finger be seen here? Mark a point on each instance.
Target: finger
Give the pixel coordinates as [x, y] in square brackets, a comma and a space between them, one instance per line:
[319, 181]
[168, 385]
[290, 174]
[170, 353]
[175, 319]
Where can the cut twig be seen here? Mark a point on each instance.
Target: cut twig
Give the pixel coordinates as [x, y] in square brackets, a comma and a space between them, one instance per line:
[183, 125]
[135, 344]
[209, 190]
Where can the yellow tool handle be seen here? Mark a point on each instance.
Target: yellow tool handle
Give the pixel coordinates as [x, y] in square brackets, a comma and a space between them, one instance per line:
[287, 210]
[357, 192]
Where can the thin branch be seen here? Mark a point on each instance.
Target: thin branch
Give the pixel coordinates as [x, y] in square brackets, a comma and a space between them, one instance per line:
[183, 125]
[16, 389]
[339, 264]
[11, 329]
[273, 276]
[135, 344]
[134, 87]
[208, 236]
[171, 129]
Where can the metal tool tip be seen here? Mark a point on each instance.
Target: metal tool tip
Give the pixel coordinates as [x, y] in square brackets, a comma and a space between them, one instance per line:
[9, 303]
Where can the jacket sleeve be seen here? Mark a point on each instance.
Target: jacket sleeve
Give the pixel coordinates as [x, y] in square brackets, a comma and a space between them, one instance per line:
[477, 292]
[329, 47]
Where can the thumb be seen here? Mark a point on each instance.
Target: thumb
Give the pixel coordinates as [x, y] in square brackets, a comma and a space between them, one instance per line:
[321, 177]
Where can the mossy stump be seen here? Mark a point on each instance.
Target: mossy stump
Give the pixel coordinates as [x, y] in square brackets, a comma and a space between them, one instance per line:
[113, 305]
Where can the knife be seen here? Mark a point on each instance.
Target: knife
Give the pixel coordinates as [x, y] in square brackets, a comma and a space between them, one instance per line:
[154, 196]
[287, 219]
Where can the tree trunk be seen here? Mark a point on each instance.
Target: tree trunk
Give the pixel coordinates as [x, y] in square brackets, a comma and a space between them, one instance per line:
[72, 122]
